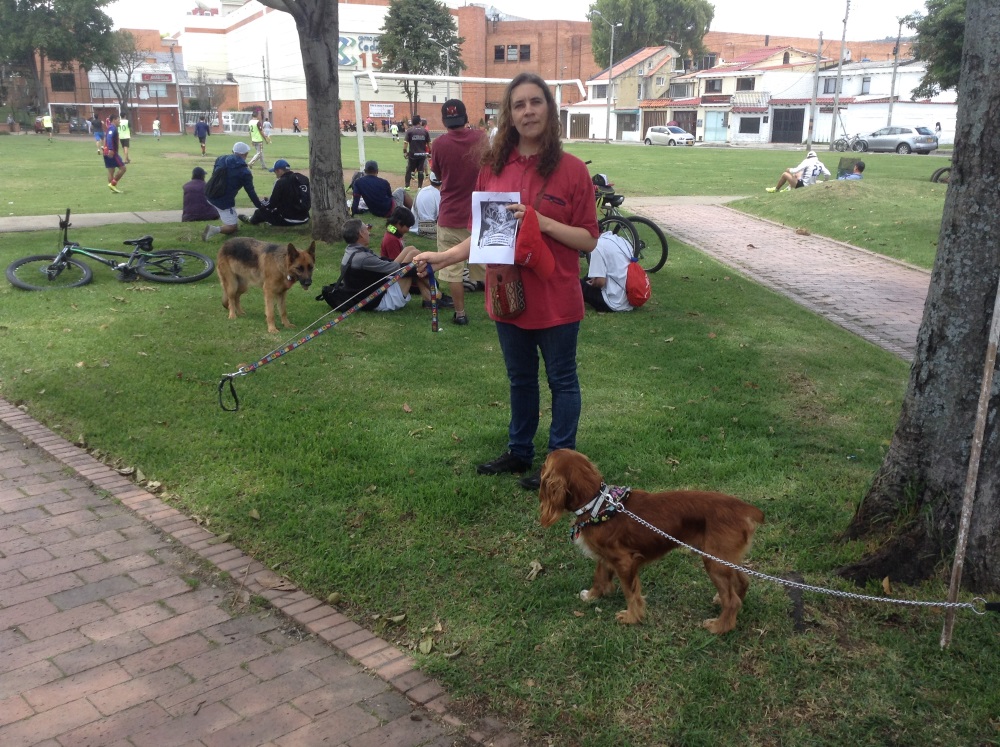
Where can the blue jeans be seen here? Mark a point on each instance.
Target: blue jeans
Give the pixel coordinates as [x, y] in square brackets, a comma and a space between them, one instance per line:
[520, 352]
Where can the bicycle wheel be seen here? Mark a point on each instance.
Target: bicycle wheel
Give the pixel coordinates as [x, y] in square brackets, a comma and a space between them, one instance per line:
[40, 272]
[840, 145]
[860, 146]
[619, 226]
[651, 247]
[174, 266]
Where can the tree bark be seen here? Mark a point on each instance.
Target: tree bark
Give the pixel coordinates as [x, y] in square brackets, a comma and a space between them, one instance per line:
[317, 23]
[915, 500]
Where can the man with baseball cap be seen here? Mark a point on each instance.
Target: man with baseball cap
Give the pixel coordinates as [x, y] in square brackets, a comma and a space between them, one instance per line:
[456, 163]
[379, 197]
[289, 202]
[237, 176]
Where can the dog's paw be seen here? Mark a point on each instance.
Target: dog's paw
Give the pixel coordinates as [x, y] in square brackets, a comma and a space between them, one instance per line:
[627, 618]
[585, 595]
[713, 625]
[716, 599]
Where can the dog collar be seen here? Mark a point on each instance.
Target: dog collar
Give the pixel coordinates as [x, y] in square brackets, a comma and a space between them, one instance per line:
[600, 508]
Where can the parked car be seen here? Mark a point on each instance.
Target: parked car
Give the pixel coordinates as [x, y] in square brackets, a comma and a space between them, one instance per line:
[668, 135]
[906, 139]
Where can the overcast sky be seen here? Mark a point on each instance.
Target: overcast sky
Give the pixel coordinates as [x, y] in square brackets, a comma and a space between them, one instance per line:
[867, 19]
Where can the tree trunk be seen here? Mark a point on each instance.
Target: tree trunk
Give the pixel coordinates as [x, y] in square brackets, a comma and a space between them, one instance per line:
[317, 23]
[915, 500]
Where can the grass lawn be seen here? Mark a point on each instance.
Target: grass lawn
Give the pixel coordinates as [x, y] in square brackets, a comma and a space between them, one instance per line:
[350, 467]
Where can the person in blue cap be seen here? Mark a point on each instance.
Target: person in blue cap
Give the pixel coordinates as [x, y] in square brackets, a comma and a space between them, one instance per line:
[289, 202]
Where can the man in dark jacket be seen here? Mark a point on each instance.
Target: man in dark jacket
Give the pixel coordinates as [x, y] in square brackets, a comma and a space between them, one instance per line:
[289, 202]
[238, 177]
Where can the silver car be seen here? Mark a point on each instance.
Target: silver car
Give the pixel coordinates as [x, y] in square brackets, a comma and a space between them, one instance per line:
[668, 135]
[903, 139]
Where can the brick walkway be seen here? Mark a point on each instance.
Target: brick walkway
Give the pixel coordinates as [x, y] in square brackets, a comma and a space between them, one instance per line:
[876, 298]
[117, 629]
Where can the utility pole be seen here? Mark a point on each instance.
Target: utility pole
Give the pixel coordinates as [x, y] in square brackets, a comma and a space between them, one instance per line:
[895, 66]
[836, 90]
[611, 66]
[270, 101]
[812, 105]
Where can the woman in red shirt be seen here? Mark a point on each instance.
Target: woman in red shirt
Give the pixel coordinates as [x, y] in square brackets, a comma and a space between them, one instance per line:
[526, 156]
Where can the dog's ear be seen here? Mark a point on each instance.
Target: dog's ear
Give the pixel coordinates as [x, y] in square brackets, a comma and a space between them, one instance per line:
[312, 250]
[292, 253]
[551, 496]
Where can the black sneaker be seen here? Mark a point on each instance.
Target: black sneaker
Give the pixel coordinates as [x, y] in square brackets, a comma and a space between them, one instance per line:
[461, 321]
[532, 481]
[506, 462]
[244, 219]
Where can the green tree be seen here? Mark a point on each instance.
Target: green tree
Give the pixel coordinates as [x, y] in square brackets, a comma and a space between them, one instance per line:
[649, 23]
[34, 33]
[913, 506]
[119, 63]
[939, 44]
[415, 35]
[318, 25]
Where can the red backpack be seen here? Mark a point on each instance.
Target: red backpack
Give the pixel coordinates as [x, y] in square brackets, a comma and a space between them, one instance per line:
[637, 289]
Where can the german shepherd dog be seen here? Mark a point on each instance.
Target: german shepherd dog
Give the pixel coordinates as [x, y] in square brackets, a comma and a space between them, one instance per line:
[244, 262]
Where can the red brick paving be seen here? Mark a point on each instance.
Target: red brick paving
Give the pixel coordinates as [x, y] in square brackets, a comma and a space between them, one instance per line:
[104, 642]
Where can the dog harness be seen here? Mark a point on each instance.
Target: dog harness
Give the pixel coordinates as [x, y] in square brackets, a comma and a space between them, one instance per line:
[601, 507]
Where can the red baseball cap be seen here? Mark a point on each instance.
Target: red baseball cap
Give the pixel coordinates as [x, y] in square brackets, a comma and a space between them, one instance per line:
[530, 249]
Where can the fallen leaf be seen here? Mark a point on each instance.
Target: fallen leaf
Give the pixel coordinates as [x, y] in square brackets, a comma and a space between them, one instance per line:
[333, 598]
[453, 654]
[271, 580]
[751, 246]
[254, 514]
[426, 645]
[885, 585]
[407, 408]
[81, 364]
[578, 613]
[535, 569]
[397, 618]
[711, 335]
[803, 232]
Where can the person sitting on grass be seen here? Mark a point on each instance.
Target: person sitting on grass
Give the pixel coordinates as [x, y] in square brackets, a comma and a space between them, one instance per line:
[399, 224]
[196, 207]
[803, 175]
[363, 271]
[854, 176]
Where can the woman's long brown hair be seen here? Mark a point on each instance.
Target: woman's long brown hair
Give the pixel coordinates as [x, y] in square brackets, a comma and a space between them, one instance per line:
[507, 137]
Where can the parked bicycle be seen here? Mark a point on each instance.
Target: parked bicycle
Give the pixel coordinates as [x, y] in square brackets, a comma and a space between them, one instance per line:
[649, 245]
[63, 270]
[856, 143]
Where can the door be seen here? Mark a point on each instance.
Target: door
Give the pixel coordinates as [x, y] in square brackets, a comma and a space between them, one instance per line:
[687, 121]
[579, 126]
[787, 125]
[715, 127]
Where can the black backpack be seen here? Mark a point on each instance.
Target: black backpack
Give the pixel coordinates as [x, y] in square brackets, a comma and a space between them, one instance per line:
[305, 197]
[216, 186]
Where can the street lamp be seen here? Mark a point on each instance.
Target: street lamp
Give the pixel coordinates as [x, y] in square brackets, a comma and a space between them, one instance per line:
[611, 64]
[447, 66]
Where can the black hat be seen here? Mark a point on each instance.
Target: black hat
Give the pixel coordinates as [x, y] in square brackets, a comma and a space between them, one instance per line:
[453, 113]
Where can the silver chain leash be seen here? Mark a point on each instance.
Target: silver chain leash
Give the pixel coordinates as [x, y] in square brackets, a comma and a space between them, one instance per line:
[977, 605]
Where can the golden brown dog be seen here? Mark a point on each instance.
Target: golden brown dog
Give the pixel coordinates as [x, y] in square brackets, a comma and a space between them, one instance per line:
[245, 262]
[718, 524]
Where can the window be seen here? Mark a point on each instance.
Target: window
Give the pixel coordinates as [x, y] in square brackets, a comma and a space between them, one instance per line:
[866, 85]
[750, 125]
[830, 85]
[628, 122]
[638, 92]
[102, 91]
[713, 86]
[679, 91]
[511, 53]
[601, 92]
[660, 80]
[498, 53]
[525, 53]
[157, 90]
[63, 82]
[745, 84]
[785, 58]
[706, 62]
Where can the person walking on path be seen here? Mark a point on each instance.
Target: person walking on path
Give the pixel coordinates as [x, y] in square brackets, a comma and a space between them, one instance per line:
[156, 128]
[202, 131]
[457, 155]
[112, 160]
[556, 191]
[257, 139]
[238, 177]
[47, 125]
[295, 126]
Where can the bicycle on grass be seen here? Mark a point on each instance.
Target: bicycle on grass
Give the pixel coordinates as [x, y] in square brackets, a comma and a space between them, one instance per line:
[63, 270]
[649, 245]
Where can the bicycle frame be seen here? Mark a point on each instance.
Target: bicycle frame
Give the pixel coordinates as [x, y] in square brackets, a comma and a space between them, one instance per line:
[69, 248]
